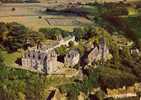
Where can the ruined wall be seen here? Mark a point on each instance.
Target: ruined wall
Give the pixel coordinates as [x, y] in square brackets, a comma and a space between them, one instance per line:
[72, 58]
[44, 58]
[40, 60]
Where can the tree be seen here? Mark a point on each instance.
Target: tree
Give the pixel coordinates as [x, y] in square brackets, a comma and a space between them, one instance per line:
[3, 32]
[138, 43]
[72, 90]
[114, 78]
[78, 33]
[126, 52]
[18, 36]
[53, 33]
[100, 95]
[13, 9]
[71, 44]
[115, 53]
[3, 27]
[61, 50]
[1, 59]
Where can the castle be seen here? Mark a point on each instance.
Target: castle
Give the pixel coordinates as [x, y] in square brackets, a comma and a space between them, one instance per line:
[44, 57]
[41, 60]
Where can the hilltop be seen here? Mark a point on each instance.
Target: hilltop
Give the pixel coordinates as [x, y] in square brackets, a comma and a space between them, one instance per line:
[91, 50]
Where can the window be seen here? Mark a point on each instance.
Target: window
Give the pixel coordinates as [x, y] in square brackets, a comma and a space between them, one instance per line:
[39, 57]
[33, 56]
[28, 55]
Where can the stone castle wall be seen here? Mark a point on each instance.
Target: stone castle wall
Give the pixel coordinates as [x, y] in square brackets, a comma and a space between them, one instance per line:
[44, 59]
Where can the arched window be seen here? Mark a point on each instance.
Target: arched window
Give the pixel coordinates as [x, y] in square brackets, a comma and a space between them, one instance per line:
[28, 55]
[39, 57]
[33, 56]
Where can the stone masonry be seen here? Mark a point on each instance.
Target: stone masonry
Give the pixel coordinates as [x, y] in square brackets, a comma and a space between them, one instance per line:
[99, 52]
[44, 58]
[72, 58]
[38, 59]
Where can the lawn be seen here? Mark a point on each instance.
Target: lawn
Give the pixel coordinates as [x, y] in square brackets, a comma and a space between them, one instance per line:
[135, 24]
[10, 58]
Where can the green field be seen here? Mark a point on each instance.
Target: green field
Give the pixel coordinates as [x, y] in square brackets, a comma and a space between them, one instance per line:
[10, 58]
[135, 24]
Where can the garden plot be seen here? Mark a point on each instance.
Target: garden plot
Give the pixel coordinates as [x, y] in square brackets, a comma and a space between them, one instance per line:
[35, 23]
[34, 18]
[61, 21]
[67, 21]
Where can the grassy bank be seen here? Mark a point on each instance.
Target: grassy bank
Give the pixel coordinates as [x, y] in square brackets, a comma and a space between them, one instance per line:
[135, 24]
